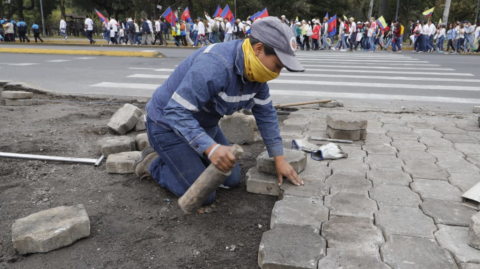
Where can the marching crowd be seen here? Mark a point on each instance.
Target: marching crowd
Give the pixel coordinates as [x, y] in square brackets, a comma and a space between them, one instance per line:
[426, 36]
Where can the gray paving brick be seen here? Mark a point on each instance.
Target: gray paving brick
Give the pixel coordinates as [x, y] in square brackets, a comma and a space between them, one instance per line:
[351, 205]
[408, 221]
[313, 188]
[474, 231]
[261, 183]
[380, 149]
[436, 189]
[316, 169]
[460, 138]
[347, 122]
[342, 182]
[122, 163]
[396, 136]
[427, 133]
[391, 195]
[389, 177]
[124, 119]
[455, 239]
[348, 166]
[297, 159]
[464, 181]
[352, 233]
[407, 146]
[448, 212]
[298, 211]
[115, 144]
[384, 162]
[395, 127]
[405, 252]
[469, 266]
[351, 258]
[467, 148]
[291, 247]
[449, 130]
[474, 158]
[457, 165]
[436, 142]
[416, 156]
[441, 153]
[420, 125]
[426, 170]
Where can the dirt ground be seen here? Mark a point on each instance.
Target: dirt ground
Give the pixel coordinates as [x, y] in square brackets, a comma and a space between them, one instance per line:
[134, 224]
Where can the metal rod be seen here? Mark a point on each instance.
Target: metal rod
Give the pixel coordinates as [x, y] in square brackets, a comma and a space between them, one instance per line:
[43, 22]
[100, 160]
[48, 158]
[332, 140]
[302, 103]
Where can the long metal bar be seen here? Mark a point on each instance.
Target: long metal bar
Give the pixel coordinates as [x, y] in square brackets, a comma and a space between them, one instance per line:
[50, 158]
[331, 140]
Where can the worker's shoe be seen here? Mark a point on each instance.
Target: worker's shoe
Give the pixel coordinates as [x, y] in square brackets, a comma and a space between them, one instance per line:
[142, 165]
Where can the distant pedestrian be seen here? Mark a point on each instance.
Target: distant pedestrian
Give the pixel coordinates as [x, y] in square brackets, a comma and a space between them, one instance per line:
[63, 28]
[137, 33]
[228, 31]
[36, 32]
[22, 31]
[9, 32]
[106, 31]
[112, 24]
[146, 33]
[89, 29]
[159, 32]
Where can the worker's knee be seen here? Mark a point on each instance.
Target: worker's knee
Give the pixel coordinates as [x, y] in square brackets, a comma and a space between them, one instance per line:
[210, 199]
[233, 180]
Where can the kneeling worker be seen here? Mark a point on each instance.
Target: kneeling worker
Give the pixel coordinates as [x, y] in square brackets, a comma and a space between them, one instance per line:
[183, 114]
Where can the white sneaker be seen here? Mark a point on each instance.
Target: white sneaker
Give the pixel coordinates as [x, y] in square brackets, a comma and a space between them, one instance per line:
[224, 187]
[333, 49]
[343, 50]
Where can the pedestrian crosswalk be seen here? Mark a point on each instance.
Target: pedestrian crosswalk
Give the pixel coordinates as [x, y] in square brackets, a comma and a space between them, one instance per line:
[336, 75]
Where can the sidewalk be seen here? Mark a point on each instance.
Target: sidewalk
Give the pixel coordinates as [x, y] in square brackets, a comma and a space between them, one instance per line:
[395, 202]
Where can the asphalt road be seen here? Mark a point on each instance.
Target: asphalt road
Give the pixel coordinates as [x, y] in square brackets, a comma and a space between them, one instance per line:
[382, 79]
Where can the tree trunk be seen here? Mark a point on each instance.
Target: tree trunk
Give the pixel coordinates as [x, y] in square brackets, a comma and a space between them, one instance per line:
[370, 9]
[446, 12]
[62, 8]
[383, 8]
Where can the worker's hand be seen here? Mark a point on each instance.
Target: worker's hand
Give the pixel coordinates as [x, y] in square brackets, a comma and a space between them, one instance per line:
[222, 158]
[284, 169]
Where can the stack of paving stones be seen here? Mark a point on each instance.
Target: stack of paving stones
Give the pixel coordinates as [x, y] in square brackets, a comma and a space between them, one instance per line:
[122, 151]
[17, 98]
[347, 127]
[240, 129]
[395, 202]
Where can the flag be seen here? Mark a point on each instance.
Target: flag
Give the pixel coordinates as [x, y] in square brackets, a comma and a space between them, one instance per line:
[382, 23]
[227, 14]
[345, 18]
[440, 21]
[218, 12]
[296, 19]
[101, 16]
[254, 16]
[263, 14]
[186, 15]
[169, 16]
[326, 16]
[429, 12]
[332, 25]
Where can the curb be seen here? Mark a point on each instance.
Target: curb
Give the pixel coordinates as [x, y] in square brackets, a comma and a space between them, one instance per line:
[98, 45]
[84, 52]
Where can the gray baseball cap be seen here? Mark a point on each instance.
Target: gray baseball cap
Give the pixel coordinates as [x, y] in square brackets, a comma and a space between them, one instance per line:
[279, 36]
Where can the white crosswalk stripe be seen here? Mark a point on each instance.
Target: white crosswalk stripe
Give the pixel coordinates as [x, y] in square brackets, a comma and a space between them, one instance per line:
[347, 77]
[57, 61]
[19, 64]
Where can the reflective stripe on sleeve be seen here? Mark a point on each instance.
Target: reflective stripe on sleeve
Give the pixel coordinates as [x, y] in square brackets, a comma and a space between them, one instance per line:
[182, 101]
[262, 102]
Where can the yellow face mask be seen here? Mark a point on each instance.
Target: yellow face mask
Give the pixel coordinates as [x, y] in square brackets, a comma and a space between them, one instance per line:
[254, 69]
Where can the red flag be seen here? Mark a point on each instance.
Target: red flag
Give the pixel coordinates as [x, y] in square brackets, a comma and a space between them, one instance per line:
[186, 15]
[218, 12]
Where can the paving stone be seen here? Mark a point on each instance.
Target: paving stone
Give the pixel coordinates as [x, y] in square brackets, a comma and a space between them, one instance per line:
[342, 182]
[239, 128]
[448, 212]
[122, 163]
[297, 159]
[115, 144]
[436, 189]
[354, 135]
[457, 165]
[375, 130]
[395, 127]
[405, 252]
[421, 125]
[297, 211]
[391, 195]
[355, 152]
[441, 153]
[291, 247]
[470, 125]
[375, 138]
[474, 159]
[384, 162]
[389, 177]
[416, 156]
[141, 141]
[140, 126]
[17, 95]
[313, 188]
[261, 183]
[299, 122]
[380, 149]
[50, 229]
[460, 138]
[449, 129]
[124, 119]
[316, 169]
[351, 205]
[467, 148]
[474, 230]
[20, 102]
[352, 233]
[426, 170]
[476, 109]
[469, 266]
[427, 133]
[406, 145]
[435, 142]
[351, 259]
[408, 221]
[455, 239]
[348, 166]
[347, 122]
[464, 181]
[396, 136]
[292, 129]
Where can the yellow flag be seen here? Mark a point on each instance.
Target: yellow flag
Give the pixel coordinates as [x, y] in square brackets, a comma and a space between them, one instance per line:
[296, 20]
[429, 12]
[440, 21]
[345, 18]
[382, 23]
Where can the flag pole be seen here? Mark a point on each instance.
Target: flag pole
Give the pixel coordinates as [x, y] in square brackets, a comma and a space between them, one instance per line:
[43, 22]
[476, 15]
[396, 13]
[235, 5]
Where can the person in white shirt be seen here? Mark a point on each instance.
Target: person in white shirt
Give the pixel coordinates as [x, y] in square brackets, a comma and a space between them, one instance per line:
[89, 29]
[149, 22]
[228, 31]
[201, 32]
[371, 34]
[469, 32]
[477, 35]
[440, 38]
[112, 24]
[431, 32]
[159, 34]
[63, 28]
[353, 34]
[341, 35]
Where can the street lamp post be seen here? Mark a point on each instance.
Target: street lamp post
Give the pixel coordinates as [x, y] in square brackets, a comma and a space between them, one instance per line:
[396, 13]
[43, 22]
[235, 5]
[476, 15]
